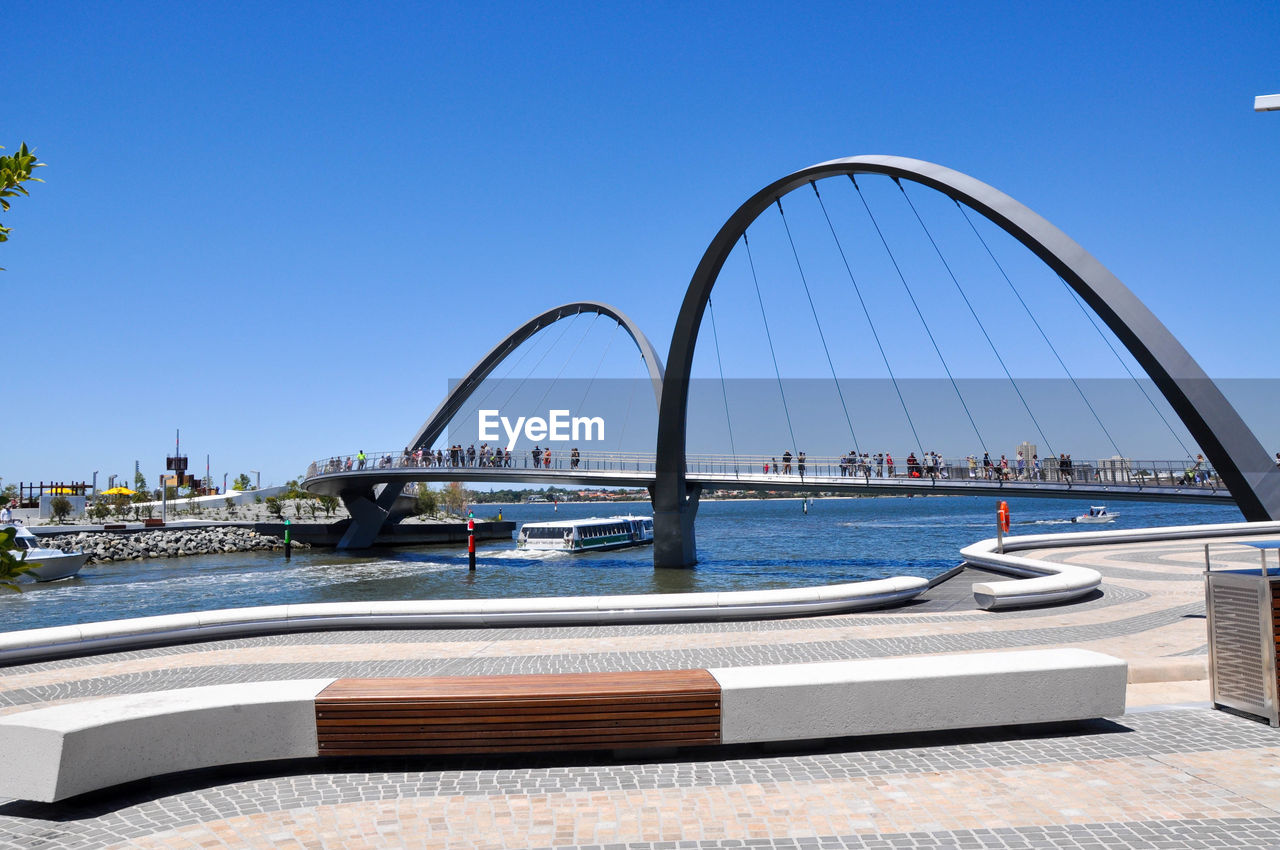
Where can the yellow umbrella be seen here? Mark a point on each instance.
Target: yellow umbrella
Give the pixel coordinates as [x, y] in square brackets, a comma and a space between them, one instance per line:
[58, 490]
[118, 491]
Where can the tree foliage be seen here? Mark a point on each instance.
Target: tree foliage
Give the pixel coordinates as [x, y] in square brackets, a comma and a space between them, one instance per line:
[14, 171]
[428, 500]
[60, 507]
[242, 482]
[455, 498]
[141, 493]
[12, 564]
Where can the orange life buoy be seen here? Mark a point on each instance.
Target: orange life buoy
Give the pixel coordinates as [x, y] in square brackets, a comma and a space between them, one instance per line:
[1002, 516]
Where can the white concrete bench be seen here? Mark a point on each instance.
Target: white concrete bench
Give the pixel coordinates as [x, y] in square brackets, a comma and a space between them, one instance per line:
[881, 696]
[116, 635]
[54, 753]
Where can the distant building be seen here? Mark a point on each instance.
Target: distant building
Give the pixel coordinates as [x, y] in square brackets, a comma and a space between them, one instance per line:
[1116, 469]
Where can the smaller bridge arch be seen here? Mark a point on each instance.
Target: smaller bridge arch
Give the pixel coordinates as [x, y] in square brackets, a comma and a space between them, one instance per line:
[370, 511]
[457, 397]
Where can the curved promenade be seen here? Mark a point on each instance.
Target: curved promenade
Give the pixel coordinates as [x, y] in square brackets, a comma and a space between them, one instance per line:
[1169, 777]
[37, 644]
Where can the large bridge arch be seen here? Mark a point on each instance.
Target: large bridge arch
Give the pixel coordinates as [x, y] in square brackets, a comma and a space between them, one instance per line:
[463, 390]
[1230, 445]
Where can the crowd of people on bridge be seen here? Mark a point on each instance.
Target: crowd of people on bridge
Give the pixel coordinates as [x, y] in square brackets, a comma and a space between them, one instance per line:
[932, 465]
[852, 464]
[455, 456]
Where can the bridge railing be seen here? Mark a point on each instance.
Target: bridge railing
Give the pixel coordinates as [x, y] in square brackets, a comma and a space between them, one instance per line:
[1106, 471]
[554, 460]
[1118, 471]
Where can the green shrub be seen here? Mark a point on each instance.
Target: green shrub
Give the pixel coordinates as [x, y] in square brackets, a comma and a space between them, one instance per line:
[428, 501]
[60, 507]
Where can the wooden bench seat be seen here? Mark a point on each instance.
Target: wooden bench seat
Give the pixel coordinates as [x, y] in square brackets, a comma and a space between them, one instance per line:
[522, 713]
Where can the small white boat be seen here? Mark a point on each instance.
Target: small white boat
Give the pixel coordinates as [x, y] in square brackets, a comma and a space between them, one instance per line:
[1097, 513]
[50, 564]
[593, 534]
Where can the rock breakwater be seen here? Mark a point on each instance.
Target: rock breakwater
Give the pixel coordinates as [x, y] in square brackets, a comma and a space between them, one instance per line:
[104, 547]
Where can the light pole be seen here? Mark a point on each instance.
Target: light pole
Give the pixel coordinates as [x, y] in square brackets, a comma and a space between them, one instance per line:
[95, 485]
[111, 482]
[257, 486]
[1266, 103]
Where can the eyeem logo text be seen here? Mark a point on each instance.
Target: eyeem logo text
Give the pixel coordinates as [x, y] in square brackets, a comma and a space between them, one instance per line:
[558, 426]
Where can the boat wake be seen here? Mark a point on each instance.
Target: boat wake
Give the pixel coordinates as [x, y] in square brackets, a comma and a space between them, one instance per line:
[527, 555]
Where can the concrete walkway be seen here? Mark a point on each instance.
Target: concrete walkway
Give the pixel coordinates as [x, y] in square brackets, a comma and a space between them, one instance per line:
[1171, 773]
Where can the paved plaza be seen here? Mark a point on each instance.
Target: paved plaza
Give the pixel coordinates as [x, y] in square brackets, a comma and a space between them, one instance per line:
[1171, 773]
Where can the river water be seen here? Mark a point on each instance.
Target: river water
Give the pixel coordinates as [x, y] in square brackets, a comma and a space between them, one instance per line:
[742, 545]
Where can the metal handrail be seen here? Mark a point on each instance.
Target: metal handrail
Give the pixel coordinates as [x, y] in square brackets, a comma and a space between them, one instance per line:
[1105, 471]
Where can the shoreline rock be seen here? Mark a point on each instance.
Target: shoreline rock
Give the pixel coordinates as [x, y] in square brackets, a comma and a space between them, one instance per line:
[106, 547]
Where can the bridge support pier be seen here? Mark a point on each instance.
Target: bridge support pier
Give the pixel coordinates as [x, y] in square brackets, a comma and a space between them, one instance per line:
[674, 543]
[368, 515]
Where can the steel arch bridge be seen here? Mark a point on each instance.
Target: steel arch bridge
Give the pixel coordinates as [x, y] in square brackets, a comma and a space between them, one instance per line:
[1232, 449]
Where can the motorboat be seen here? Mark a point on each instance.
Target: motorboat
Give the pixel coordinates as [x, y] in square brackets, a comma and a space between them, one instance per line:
[593, 534]
[1097, 514]
[49, 564]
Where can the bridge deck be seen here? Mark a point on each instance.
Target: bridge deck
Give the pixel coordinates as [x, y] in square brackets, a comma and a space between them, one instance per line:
[336, 482]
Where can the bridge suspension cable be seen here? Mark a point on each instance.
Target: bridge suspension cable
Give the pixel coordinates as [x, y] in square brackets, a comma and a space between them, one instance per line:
[567, 360]
[728, 420]
[763, 315]
[1038, 327]
[603, 354]
[821, 336]
[919, 313]
[870, 324]
[974, 313]
[626, 417]
[1093, 321]
[494, 384]
[525, 379]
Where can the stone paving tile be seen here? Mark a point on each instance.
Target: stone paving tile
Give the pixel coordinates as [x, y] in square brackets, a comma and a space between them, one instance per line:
[1137, 769]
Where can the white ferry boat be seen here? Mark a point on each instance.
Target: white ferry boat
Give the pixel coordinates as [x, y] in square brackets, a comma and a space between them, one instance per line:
[586, 535]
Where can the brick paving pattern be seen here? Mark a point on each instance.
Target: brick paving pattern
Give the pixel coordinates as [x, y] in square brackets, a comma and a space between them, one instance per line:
[1170, 778]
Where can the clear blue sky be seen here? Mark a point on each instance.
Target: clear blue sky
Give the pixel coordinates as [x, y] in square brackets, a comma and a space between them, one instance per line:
[283, 227]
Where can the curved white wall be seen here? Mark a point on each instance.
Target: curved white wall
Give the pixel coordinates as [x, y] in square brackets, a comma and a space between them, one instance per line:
[1051, 582]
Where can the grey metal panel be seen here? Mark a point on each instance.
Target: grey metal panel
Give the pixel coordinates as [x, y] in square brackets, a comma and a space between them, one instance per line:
[1242, 650]
[435, 425]
[1230, 446]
